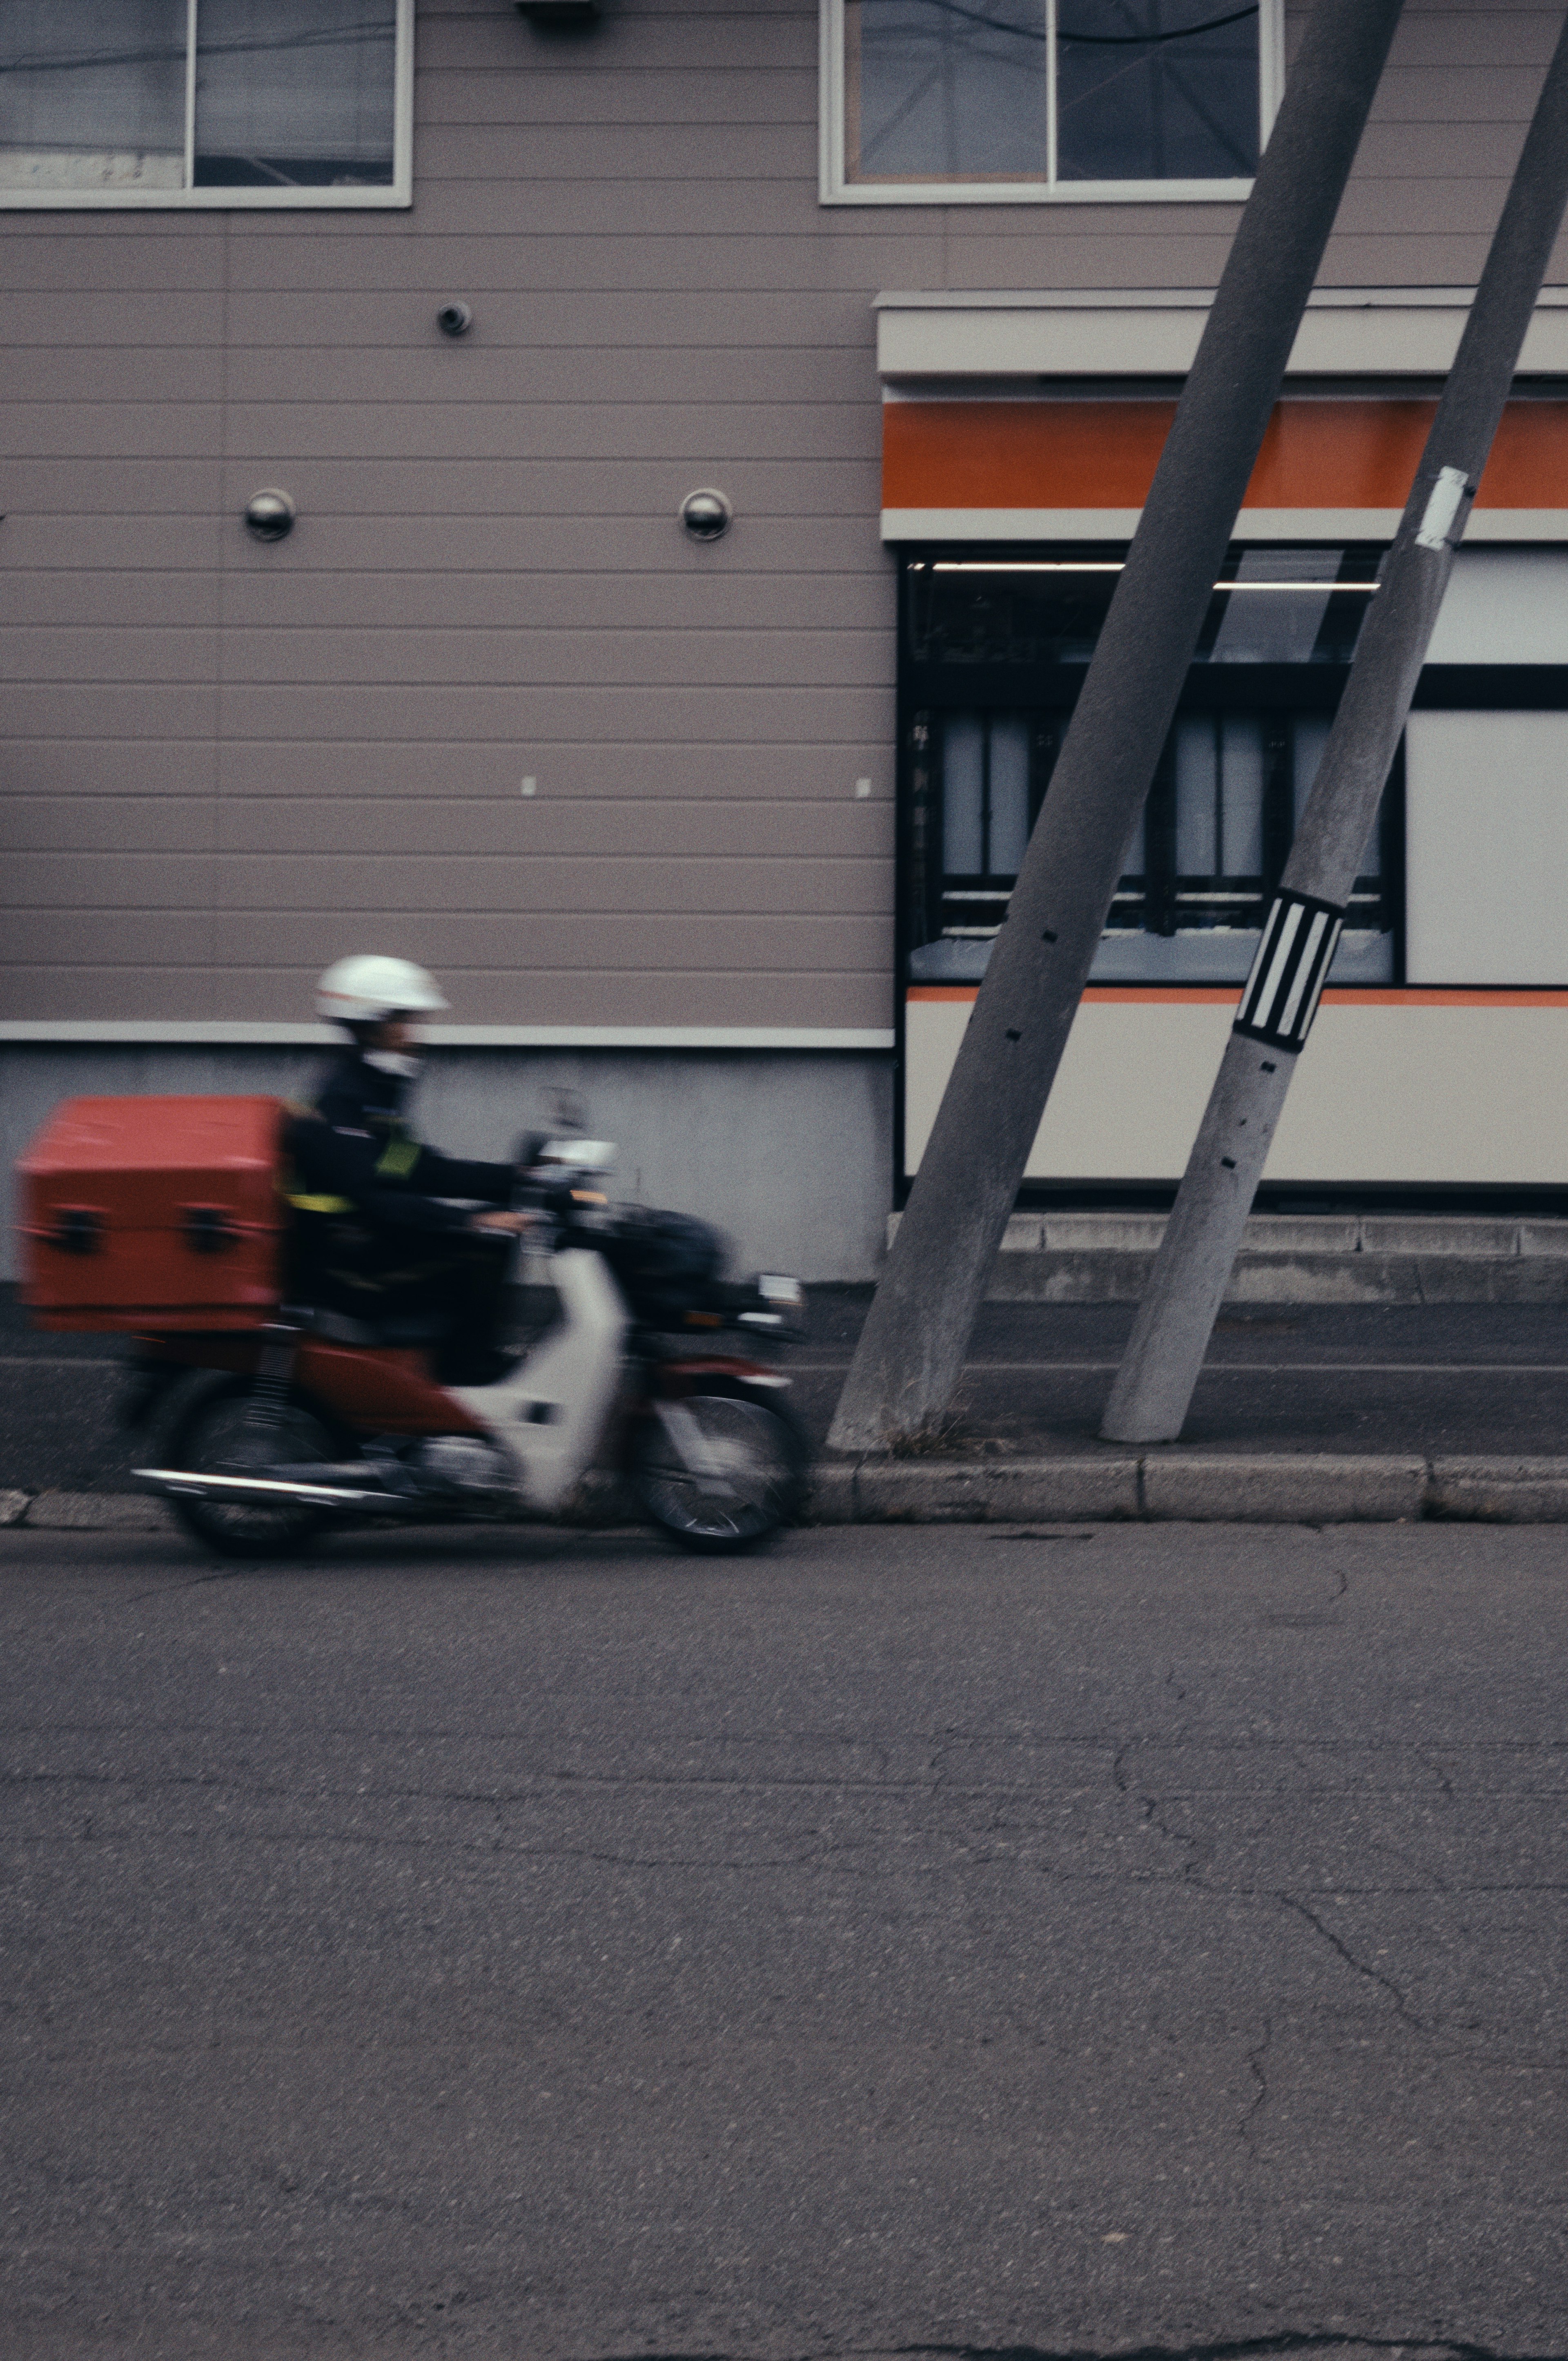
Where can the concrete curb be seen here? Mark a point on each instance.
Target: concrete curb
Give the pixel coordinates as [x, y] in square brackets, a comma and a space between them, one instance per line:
[1176, 1487]
[1192, 1487]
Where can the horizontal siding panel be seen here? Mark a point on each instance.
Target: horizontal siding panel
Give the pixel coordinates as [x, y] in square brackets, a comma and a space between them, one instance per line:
[650, 716]
[130, 549]
[597, 97]
[107, 937]
[742, 769]
[477, 549]
[562, 430]
[451, 376]
[1486, 35]
[111, 429]
[33, 709]
[862, 251]
[545, 828]
[1439, 208]
[84, 988]
[79, 819]
[481, 995]
[507, 320]
[1484, 92]
[123, 880]
[77, 816]
[720, 598]
[104, 490]
[67, 771]
[1394, 151]
[123, 373]
[107, 321]
[800, 488]
[446, 940]
[104, 655]
[144, 599]
[775, 148]
[498, 885]
[538, 660]
[107, 253]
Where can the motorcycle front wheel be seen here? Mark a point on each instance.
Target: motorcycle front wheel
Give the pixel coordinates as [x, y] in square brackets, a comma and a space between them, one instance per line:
[759, 1458]
[220, 1436]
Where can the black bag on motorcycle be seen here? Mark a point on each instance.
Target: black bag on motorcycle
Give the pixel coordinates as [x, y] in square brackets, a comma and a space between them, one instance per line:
[665, 1262]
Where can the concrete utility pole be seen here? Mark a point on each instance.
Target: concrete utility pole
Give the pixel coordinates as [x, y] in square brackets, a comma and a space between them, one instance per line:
[911, 1351]
[1154, 1385]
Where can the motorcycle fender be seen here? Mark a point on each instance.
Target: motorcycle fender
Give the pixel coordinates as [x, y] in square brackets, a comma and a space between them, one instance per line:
[368, 1389]
[673, 1380]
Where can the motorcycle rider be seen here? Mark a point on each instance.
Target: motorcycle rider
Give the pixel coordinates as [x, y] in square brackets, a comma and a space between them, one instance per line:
[377, 1232]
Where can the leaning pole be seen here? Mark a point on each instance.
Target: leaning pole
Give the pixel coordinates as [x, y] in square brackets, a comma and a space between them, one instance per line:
[1170, 1336]
[910, 1355]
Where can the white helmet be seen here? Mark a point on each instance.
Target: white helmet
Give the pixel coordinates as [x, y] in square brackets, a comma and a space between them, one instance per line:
[370, 986]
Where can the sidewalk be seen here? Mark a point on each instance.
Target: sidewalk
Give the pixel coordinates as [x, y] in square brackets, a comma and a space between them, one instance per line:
[1310, 1413]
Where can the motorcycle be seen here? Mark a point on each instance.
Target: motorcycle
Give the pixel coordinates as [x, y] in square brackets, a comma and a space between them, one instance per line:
[319, 1419]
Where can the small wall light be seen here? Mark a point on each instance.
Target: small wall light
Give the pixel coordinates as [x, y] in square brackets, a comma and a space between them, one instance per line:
[270, 515]
[707, 514]
[455, 319]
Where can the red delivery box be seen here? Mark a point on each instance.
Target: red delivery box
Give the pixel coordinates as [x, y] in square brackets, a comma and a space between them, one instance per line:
[154, 1214]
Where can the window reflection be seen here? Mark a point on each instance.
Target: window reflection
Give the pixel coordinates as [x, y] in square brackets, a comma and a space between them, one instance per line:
[1048, 89]
[93, 98]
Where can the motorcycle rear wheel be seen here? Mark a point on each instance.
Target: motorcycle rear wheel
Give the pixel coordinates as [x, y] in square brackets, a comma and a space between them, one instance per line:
[219, 1436]
[764, 1456]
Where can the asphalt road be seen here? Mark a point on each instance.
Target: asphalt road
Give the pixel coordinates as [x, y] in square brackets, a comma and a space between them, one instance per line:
[537, 1944]
[1430, 1378]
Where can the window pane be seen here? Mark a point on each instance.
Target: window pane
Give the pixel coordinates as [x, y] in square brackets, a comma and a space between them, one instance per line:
[294, 93]
[92, 97]
[1240, 796]
[1009, 794]
[1278, 619]
[939, 92]
[963, 755]
[1197, 796]
[1310, 733]
[1141, 97]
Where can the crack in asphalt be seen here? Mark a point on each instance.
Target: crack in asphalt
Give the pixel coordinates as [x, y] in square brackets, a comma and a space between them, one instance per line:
[1374, 1975]
[1255, 2056]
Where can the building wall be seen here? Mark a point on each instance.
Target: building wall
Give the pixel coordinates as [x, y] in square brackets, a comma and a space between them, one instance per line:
[226, 763]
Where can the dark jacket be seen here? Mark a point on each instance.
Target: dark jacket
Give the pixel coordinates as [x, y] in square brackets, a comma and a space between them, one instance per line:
[355, 1153]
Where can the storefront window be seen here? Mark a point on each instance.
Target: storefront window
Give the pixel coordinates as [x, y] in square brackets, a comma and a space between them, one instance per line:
[994, 651]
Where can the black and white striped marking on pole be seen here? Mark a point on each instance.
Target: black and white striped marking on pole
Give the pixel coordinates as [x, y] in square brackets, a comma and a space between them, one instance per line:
[1287, 980]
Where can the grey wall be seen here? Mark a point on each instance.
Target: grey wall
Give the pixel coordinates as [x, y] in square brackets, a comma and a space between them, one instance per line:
[789, 1153]
[227, 764]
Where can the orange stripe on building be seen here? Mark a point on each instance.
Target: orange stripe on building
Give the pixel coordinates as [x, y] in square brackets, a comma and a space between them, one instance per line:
[1079, 454]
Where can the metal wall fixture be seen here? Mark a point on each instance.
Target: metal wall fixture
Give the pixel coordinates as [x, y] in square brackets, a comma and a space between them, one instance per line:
[270, 515]
[455, 319]
[707, 514]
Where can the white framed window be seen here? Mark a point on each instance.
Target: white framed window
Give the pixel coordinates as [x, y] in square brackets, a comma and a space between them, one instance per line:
[1028, 102]
[205, 103]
